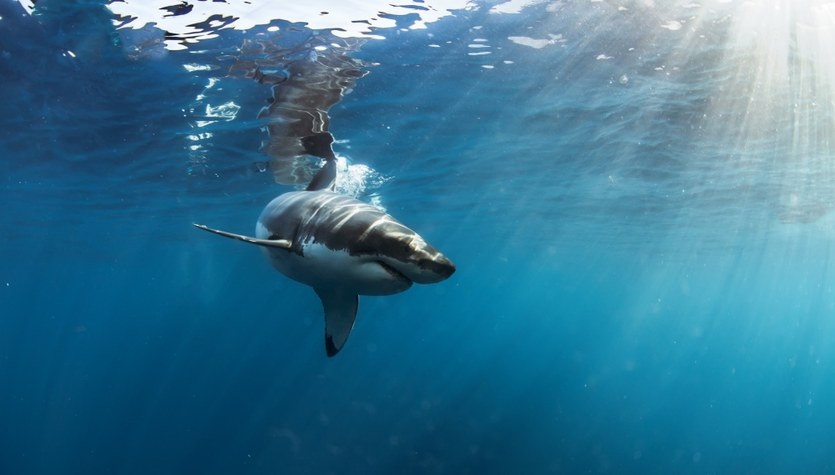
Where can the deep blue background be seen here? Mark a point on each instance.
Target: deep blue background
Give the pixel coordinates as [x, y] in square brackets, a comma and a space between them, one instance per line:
[633, 294]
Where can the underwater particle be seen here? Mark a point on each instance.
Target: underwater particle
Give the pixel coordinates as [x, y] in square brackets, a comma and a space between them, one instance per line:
[528, 41]
[537, 43]
[226, 111]
[192, 67]
[672, 25]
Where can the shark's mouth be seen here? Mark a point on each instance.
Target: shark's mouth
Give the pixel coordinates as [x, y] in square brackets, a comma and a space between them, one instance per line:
[396, 274]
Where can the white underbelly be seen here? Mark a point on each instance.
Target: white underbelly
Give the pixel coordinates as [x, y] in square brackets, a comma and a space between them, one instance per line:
[323, 267]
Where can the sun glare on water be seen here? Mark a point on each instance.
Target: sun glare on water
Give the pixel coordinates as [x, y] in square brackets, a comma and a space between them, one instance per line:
[784, 57]
[771, 99]
[785, 51]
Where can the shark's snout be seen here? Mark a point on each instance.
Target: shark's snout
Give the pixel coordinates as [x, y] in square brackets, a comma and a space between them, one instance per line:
[425, 267]
[439, 267]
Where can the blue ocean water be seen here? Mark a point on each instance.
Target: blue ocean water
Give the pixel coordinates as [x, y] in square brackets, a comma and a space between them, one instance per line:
[637, 198]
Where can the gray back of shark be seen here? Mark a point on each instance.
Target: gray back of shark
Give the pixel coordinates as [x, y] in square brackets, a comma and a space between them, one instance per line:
[343, 248]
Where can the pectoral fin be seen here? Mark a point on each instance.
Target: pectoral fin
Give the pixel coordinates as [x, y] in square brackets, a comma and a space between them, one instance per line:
[340, 312]
[280, 243]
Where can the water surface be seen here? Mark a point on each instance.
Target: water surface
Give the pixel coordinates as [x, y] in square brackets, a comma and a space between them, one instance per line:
[638, 199]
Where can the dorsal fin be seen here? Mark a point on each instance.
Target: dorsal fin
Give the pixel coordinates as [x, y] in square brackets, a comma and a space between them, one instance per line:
[319, 145]
[325, 178]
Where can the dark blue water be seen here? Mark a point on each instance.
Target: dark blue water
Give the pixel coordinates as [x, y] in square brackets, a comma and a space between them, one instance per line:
[639, 211]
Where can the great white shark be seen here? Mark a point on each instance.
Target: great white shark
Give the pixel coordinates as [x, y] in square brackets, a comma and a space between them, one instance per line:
[342, 248]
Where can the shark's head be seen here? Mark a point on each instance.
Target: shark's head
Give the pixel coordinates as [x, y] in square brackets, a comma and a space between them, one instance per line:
[416, 260]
